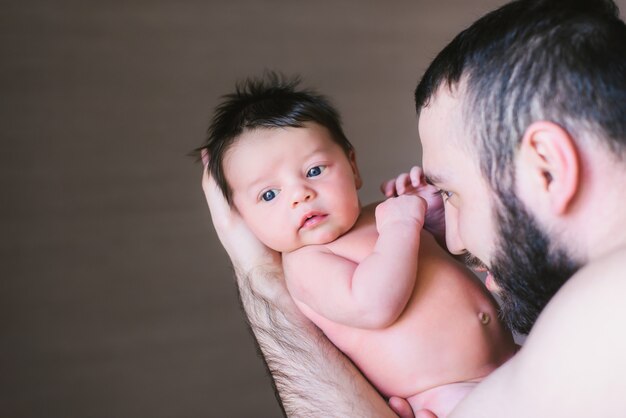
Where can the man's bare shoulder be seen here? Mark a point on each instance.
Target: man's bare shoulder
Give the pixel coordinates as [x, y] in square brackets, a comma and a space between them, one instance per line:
[591, 301]
[592, 298]
[575, 352]
[607, 270]
[572, 363]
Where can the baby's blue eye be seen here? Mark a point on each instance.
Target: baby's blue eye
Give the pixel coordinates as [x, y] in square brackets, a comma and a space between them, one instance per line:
[268, 195]
[315, 171]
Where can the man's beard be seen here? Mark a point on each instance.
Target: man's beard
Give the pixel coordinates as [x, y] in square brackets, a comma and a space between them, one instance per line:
[527, 266]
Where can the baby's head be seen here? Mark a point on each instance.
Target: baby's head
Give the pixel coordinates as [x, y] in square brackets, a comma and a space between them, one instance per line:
[270, 102]
[280, 157]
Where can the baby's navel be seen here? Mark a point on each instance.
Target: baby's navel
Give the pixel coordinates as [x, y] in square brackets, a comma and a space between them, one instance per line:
[484, 318]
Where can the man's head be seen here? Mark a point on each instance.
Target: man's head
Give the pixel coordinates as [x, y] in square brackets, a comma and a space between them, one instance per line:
[268, 102]
[281, 159]
[534, 82]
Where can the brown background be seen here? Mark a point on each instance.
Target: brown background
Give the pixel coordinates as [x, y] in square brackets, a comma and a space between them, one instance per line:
[116, 298]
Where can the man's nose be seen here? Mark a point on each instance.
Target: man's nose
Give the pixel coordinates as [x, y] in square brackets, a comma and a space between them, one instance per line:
[301, 193]
[453, 239]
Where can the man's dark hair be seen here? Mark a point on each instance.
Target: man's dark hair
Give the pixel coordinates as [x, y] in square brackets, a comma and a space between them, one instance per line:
[562, 61]
[268, 102]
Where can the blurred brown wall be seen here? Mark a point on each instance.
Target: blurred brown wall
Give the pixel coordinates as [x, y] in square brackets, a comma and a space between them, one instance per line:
[116, 298]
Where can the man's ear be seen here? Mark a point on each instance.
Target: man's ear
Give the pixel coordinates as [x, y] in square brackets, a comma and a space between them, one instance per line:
[550, 165]
[355, 169]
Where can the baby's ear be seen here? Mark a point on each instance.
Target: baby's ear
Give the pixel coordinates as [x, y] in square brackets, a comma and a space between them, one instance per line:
[355, 169]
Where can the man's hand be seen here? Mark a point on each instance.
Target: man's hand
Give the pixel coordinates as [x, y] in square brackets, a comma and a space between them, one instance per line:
[403, 409]
[258, 269]
[413, 183]
[244, 249]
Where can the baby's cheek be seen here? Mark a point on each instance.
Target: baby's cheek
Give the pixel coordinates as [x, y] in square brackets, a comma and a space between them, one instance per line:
[280, 243]
[263, 225]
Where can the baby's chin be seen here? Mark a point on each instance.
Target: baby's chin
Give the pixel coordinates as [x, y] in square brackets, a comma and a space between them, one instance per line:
[321, 239]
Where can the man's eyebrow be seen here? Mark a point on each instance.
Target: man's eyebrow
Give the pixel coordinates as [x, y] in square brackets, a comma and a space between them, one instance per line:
[433, 179]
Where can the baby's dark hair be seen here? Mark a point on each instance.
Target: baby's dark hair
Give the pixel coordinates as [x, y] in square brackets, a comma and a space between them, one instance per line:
[268, 102]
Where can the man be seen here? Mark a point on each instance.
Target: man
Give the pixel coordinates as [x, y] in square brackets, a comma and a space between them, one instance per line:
[523, 128]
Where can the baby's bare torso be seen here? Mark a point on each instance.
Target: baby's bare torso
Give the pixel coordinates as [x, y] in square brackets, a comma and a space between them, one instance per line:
[447, 333]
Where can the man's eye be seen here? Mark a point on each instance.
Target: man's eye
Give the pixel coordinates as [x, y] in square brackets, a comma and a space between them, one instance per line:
[315, 171]
[269, 195]
[445, 195]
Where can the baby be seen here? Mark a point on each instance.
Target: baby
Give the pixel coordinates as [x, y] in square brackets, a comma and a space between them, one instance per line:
[414, 321]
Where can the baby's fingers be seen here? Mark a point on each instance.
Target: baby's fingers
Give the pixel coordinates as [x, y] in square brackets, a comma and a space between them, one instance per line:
[403, 181]
[388, 188]
[417, 176]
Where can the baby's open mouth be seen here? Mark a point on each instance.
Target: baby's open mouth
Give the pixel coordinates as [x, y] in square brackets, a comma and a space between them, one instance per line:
[311, 219]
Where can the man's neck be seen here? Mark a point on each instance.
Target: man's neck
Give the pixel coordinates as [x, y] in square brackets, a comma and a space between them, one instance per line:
[602, 215]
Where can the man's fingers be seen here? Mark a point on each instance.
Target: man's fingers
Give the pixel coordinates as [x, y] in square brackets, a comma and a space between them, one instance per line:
[424, 413]
[205, 157]
[215, 199]
[401, 407]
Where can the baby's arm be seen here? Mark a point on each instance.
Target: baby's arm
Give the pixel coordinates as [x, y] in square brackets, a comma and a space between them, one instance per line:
[371, 294]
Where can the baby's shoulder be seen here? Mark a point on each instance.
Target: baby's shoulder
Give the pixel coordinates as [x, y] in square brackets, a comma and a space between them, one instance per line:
[306, 257]
[368, 212]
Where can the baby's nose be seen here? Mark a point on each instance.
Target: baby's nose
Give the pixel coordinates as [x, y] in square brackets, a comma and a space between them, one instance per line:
[302, 194]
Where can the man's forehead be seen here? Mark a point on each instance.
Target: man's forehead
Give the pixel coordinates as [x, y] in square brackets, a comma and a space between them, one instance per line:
[448, 153]
[438, 142]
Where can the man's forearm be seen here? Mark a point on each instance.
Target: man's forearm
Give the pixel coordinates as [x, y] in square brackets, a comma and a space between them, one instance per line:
[312, 377]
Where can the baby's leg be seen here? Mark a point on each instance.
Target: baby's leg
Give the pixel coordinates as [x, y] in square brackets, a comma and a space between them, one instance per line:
[441, 400]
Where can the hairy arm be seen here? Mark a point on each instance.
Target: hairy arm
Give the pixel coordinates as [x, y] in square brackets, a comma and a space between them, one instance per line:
[312, 377]
[373, 293]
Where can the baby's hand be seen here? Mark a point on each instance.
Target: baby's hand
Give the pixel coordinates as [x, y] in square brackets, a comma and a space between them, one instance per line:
[407, 209]
[413, 183]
